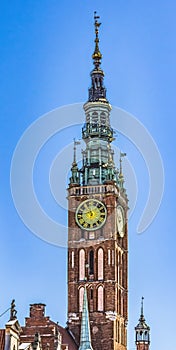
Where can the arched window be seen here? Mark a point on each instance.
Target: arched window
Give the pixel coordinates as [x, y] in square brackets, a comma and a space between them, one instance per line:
[91, 299]
[94, 118]
[103, 118]
[100, 264]
[100, 298]
[81, 294]
[91, 262]
[81, 264]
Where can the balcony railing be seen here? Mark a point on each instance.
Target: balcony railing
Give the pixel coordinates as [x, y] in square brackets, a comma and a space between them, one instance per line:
[95, 129]
[84, 190]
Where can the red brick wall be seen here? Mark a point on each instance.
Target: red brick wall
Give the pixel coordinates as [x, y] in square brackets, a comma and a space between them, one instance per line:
[102, 328]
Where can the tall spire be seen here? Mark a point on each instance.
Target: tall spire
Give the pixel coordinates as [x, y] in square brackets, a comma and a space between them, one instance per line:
[97, 91]
[85, 338]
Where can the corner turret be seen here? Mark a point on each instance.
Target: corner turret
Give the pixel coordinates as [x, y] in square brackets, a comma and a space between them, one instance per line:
[142, 331]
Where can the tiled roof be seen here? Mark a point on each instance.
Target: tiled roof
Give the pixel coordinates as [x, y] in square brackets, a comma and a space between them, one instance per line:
[2, 339]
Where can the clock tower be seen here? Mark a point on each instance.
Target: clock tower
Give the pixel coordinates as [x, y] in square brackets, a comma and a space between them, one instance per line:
[97, 225]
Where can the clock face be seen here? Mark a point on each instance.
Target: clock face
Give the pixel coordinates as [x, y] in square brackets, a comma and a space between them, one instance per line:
[91, 214]
[120, 221]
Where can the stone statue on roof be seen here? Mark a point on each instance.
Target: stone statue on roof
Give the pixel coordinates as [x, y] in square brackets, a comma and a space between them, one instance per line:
[13, 311]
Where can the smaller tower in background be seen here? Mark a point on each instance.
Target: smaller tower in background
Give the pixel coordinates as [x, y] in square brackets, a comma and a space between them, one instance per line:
[142, 331]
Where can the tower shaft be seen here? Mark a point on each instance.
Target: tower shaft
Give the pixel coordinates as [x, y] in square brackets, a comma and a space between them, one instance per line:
[97, 226]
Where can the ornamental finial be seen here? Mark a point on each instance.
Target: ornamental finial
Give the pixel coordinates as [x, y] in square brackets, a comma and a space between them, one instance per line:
[97, 56]
[142, 306]
[74, 151]
[121, 177]
[75, 178]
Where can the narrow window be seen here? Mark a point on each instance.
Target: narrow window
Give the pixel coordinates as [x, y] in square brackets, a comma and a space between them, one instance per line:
[123, 276]
[100, 264]
[122, 338]
[118, 332]
[100, 299]
[117, 266]
[112, 257]
[81, 264]
[120, 302]
[81, 294]
[72, 260]
[120, 269]
[109, 257]
[91, 262]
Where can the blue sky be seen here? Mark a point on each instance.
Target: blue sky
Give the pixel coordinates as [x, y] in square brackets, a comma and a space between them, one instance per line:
[46, 49]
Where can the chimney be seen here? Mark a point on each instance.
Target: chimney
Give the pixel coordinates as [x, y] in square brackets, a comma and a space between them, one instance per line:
[37, 310]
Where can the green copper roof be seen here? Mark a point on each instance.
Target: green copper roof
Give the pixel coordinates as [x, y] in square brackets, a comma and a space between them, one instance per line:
[85, 339]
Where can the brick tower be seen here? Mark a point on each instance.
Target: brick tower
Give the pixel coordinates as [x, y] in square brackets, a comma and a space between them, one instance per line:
[142, 332]
[97, 221]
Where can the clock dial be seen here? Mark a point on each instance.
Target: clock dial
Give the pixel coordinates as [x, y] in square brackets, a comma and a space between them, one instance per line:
[120, 221]
[91, 214]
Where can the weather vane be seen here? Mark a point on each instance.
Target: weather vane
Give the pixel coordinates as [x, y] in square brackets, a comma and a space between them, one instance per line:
[97, 54]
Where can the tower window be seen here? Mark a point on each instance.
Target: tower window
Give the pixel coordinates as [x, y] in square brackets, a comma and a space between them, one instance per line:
[109, 257]
[120, 269]
[112, 257]
[94, 118]
[100, 264]
[100, 298]
[118, 332]
[81, 264]
[91, 262]
[120, 301]
[103, 118]
[72, 260]
[122, 334]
